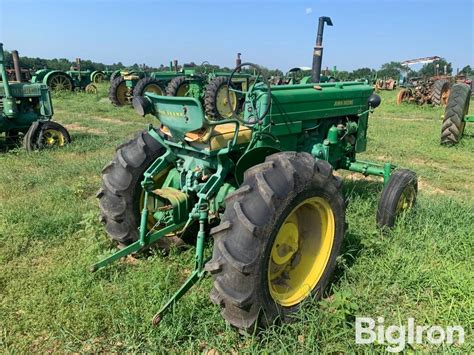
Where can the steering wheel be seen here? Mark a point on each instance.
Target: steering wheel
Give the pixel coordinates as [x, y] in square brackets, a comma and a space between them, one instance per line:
[205, 66]
[254, 115]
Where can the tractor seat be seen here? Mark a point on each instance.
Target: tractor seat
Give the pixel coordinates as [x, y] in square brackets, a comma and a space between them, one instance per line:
[220, 136]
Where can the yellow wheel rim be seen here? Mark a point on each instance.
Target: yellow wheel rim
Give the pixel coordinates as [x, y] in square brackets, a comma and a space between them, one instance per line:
[222, 103]
[182, 90]
[407, 199]
[301, 251]
[53, 138]
[153, 88]
[122, 93]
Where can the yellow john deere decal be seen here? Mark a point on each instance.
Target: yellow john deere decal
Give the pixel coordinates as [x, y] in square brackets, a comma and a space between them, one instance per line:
[343, 102]
[171, 113]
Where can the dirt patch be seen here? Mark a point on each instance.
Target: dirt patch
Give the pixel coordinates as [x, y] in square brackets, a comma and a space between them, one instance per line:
[79, 128]
[425, 187]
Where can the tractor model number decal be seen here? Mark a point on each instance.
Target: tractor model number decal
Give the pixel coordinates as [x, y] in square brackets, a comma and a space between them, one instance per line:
[343, 102]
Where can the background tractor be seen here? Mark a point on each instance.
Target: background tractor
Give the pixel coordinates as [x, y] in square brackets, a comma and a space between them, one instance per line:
[456, 114]
[70, 80]
[26, 110]
[260, 183]
[127, 83]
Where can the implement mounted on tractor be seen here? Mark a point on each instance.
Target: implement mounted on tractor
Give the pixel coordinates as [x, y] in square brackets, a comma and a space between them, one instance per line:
[26, 110]
[261, 184]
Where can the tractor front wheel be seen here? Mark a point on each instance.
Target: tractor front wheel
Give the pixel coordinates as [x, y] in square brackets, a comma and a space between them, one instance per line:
[398, 196]
[44, 135]
[278, 240]
[453, 125]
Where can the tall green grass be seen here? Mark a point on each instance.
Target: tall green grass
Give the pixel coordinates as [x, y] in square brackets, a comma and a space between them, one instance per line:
[50, 235]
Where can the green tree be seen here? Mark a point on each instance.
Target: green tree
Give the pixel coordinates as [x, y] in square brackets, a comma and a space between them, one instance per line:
[390, 70]
[467, 70]
[436, 68]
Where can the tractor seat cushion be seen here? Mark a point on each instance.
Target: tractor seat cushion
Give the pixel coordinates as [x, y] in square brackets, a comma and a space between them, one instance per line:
[219, 138]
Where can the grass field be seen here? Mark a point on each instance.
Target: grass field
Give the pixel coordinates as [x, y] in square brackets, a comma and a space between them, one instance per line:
[50, 235]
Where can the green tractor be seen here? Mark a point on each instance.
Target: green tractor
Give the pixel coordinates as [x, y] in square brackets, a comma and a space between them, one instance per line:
[129, 83]
[261, 184]
[70, 80]
[26, 110]
[456, 114]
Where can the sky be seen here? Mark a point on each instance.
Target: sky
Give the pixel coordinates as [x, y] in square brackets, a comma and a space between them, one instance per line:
[276, 34]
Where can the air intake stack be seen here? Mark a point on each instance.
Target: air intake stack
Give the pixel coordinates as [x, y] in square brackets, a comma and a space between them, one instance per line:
[318, 50]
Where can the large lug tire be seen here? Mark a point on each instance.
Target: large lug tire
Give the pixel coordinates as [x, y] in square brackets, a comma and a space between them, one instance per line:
[178, 86]
[453, 124]
[215, 99]
[118, 91]
[45, 135]
[114, 75]
[440, 92]
[246, 270]
[148, 84]
[60, 82]
[120, 196]
[398, 196]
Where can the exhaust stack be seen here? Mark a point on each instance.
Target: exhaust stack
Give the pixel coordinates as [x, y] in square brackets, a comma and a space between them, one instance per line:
[16, 65]
[318, 50]
[238, 61]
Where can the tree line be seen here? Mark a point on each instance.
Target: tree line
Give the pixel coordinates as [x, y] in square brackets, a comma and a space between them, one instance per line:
[388, 70]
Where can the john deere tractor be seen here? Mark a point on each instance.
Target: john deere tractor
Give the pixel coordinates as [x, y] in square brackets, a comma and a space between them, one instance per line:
[260, 184]
[70, 80]
[26, 110]
[129, 83]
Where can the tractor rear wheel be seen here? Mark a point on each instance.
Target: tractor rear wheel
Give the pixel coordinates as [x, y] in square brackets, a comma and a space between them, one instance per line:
[440, 92]
[114, 75]
[453, 124]
[278, 240]
[148, 84]
[402, 95]
[178, 86]
[398, 196]
[44, 135]
[216, 101]
[118, 91]
[60, 82]
[121, 194]
[98, 77]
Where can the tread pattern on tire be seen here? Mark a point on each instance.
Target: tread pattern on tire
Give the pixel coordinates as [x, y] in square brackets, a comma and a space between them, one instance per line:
[249, 219]
[120, 191]
[453, 124]
[139, 89]
[438, 87]
[113, 90]
[210, 97]
[391, 194]
[174, 85]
